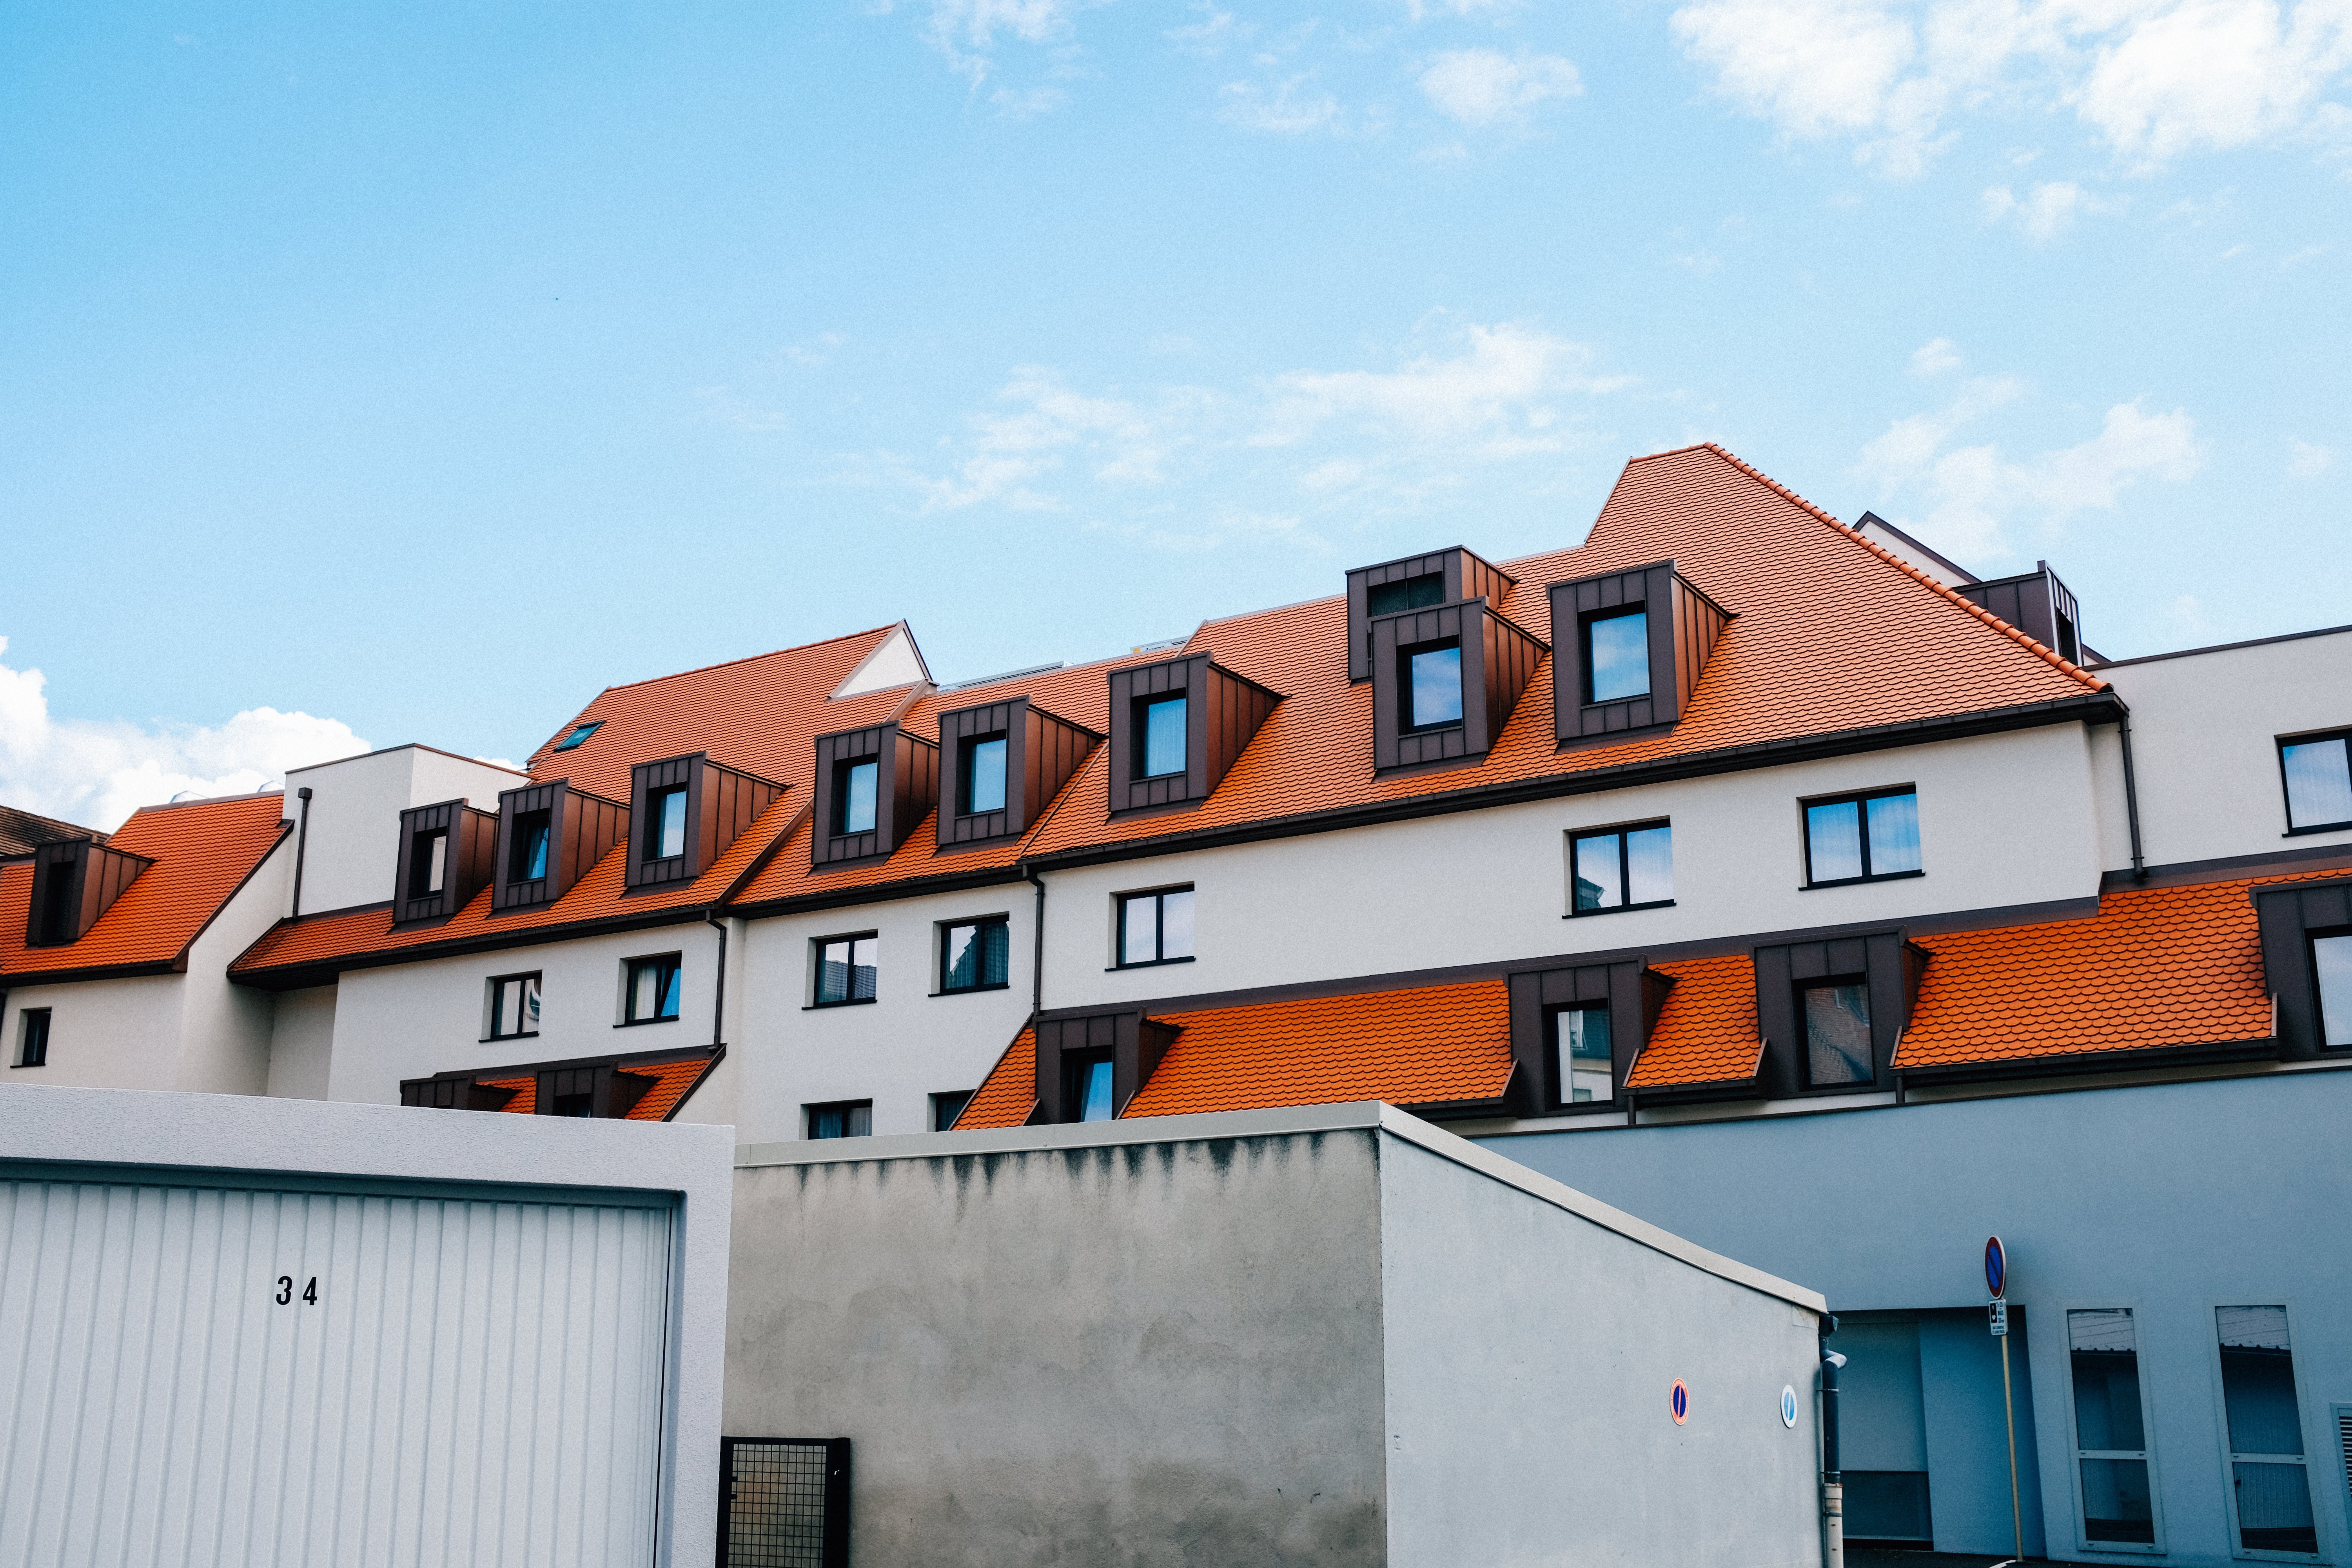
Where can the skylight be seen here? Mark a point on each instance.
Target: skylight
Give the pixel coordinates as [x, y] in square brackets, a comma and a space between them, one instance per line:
[579, 735]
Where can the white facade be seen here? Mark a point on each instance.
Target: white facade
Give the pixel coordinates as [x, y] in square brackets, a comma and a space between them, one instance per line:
[351, 849]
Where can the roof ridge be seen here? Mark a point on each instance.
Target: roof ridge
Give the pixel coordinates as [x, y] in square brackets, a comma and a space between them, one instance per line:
[747, 659]
[1979, 611]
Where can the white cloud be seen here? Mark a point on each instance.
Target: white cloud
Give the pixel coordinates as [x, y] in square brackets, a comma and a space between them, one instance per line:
[2153, 78]
[97, 772]
[2307, 460]
[1422, 10]
[1292, 108]
[1209, 36]
[1967, 496]
[971, 35]
[1935, 356]
[1479, 87]
[2045, 211]
[1494, 398]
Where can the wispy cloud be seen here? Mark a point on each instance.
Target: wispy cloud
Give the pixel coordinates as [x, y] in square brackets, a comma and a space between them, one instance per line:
[974, 35]
[1934, 357]
[1481, 87]
[98, 772]
[2308, 460]
[2045, 211]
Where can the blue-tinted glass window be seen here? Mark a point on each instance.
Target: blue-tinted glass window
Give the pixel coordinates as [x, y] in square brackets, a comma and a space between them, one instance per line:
[1894, 822]
[2318, 783]
[2332, 957]
[845, 1118]
[1623, 869]
[1837, 1034]
[665, 815]
[2110, 1438]
[1834, 840]
[845, 969]
[579, 734]
[1617, 657]
[858, 783]
[653, 990]
[1434, 688]
[1163, 737]
[528, 856]
[1093, 1089]
[973, 954]
[1585, 1073]
[1155, 928]
[1863, 837]
[514, 1006]
[983, 777]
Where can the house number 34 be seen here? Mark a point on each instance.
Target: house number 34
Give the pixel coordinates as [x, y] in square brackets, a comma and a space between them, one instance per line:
[285, 1296]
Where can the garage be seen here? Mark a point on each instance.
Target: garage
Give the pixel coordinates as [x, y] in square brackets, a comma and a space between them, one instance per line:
[204, 1365]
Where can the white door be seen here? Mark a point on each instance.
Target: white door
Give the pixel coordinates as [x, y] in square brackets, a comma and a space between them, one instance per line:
[210, 1375]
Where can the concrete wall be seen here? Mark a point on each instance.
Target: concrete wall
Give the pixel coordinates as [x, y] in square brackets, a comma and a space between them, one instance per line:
[302, 1043]
[2170, 1199]
[2205, 729]
[353, 851]
[1529, 1355]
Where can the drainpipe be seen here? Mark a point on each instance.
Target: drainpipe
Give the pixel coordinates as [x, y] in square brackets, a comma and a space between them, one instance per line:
[718, 991]
[301, 846]
[1833, 1479]
[2131, 795]
[1036, 945]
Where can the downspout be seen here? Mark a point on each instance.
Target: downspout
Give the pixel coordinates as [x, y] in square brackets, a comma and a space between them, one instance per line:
[301, 846]
[1833, 1479]
[1037, 945]
[2131, 793]
[718, 991]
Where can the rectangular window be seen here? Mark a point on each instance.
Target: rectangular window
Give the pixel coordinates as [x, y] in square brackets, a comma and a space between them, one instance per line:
[1837, 1033]
[1088, 1090]
[842, 1118]
[2110, 1438]
[1862, 838]
[984, 775]
[514, 1006]
[2318, 773]
[1585, 1070]
[1617, 656]
[946, 1107]
[429, 862]
[579, 734]
[1162, 728]
[2269, 1480]
[1431, 685]
[973, 955]
[666, 823]
[57, 904]
[528, 862]
[1411, 593]
[33, 1038]
[653, 988]
[2331, 960]
[1155, 928]
[844, 969]
[854, 786]
[1623, 869]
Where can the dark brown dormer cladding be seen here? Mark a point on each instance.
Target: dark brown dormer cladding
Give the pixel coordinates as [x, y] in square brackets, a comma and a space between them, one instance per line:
[1042, 751]
[1886, 962]
[1682, 627]
[1498, 660]
[1457, 575]
[2289, 915]
[1134, 1043]
[2036, 604]
[582, 830]
[1221, 712]
[907, 786]
[75, 882]
[721, 802]
[469, 859]
[1633, 993]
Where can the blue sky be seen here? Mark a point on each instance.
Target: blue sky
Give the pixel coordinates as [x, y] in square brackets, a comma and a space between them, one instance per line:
[410, 373]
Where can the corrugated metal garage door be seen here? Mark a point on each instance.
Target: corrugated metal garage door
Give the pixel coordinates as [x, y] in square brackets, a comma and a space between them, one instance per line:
[194, 1371]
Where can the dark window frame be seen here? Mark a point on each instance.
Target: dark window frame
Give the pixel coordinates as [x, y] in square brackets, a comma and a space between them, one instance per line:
[941, 1101]
[967, 748]
[811, 1109]
[541, 821]
[1140, 727]
[671, 964]
[1804, 1049]
[1420, 591]
[817, 945]
[1159, 933]
[2287, 801]
[655, 800]
[578, 736]
[1405, 655]
[1005, 923]
[32, 1040]
[843, 767]
[490, 1021]
[1624, 866]
[1563, 1100]
[2312, 937]
[1589, 619]
[1861, 800]
[1076, 1067]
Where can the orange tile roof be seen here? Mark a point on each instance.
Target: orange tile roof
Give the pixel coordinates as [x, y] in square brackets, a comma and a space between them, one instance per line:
[1009, 1093]
[203, 852]
[341, 936]
[1707, 1032]
[672, 1082]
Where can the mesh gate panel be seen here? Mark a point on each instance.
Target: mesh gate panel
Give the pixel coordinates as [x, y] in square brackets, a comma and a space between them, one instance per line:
[784, 1503]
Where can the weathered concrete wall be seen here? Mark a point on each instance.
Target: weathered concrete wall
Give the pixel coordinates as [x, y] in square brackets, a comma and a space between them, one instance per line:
[1149, 1355]
[1530, 1353]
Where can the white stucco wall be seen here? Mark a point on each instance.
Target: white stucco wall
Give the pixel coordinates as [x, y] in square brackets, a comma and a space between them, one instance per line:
[2205, 730]
[354, 848]
[301, 1043]
[103, 1034]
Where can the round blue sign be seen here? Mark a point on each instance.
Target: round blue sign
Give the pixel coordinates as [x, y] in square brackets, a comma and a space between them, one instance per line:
[1788, 1406]
[1996, 1266]
[1678, 1402]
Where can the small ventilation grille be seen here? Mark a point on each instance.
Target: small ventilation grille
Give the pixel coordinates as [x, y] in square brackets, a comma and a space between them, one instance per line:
[2344, 1446]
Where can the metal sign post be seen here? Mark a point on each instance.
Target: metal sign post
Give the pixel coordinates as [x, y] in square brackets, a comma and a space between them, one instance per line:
[1996, 1268]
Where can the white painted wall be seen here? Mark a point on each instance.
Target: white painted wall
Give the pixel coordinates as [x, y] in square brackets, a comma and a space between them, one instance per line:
[2205, 730]
[301, 1043]
[353, 851]
[894, 661]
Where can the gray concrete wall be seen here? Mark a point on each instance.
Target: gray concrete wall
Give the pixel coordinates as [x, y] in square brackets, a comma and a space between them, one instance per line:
[1530, 1353]
[2170, 1199]
[1085, 1356]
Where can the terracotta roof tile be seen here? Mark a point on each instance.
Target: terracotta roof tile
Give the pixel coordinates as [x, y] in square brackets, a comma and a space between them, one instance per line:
[1009, 1093]
[22, 832]
[1707, 1032]
[203, 852]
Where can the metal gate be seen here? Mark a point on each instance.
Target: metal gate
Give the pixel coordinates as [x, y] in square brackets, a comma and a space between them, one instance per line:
[197, 1372]
[784, 1503]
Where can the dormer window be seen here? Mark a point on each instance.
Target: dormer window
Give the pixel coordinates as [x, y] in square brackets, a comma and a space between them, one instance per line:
[447, 851]
[1836, 1018]
[688, 810]
[549, 837]
[429, 862]
[1444, 680]
[874, 787]
[1616, 656]
[1176, 727]
[853, 799]
[1830, 1012]
[666, 823]
[982, 774]
[531, 831]
[1001, 764]
[1407, 594]
[1414, 583]
[1432, 681]
[1162, 728]
[75, 882]
[1631, 646]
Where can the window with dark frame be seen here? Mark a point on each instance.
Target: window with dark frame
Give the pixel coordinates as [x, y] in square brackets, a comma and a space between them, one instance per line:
[1836, 1016]
[57, 904]
[1405, 593]
[579, 734]
[2331, 963]
[514, 1006]
[980, 774]
[1430, 676]
[1616, 655]
[1866, 837]
[528, 860]
[1155, 926]
[2111, 1447]
[1587, 1070]
[2317, 772]
[841, 1119]
[653, 990]
[1160, 738]
[666, 823]
[429, 862]
[845, 969]
[33, 1038]
[2270, 1481]
[1621, 868]
[946, 1106]
[974, 955]
[1086, 1089]
[854, 784]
